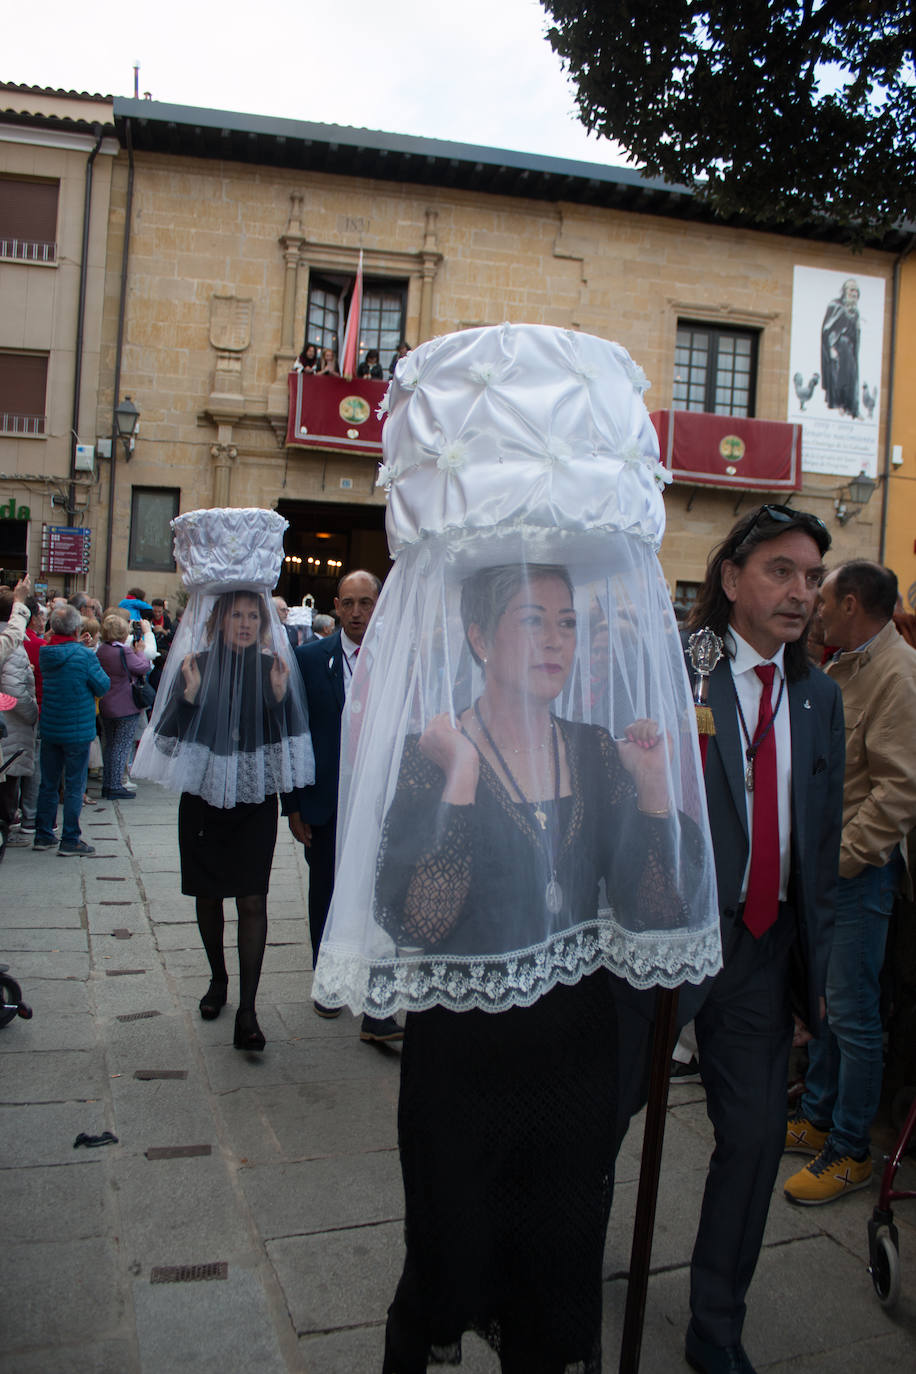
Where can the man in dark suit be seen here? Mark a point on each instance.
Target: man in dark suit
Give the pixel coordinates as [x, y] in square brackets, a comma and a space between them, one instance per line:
[327, 668]
[774, 784]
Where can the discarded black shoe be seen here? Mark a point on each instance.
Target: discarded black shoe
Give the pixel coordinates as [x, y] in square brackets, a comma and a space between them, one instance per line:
[248, 1034]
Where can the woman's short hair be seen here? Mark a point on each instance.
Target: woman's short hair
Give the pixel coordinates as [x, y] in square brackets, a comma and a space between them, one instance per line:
[487, 592]
[226, 602]
[115, 629]
[89, 626]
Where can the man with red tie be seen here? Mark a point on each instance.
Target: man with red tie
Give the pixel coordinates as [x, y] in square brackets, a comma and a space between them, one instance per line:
[774, 784]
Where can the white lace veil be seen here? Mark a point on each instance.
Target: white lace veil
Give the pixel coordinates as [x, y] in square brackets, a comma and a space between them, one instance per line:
[507, 820]
[230, 722]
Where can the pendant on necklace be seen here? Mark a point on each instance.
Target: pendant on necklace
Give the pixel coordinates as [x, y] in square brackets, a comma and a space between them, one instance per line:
[541, 817]
[749, 775]
[553, 897]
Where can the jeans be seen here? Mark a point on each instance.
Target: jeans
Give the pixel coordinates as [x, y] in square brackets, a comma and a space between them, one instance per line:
[845, 1065]
[73, 761]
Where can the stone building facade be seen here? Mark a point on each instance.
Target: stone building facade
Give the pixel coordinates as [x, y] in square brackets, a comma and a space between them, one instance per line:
[244, 231]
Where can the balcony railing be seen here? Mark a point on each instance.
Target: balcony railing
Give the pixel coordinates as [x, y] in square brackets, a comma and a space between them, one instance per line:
[27, 250]
[21, 424]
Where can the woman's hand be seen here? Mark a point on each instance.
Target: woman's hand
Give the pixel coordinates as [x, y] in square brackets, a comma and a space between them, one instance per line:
[191, 674]
[279, 678]
[453, 752]
[644, 756]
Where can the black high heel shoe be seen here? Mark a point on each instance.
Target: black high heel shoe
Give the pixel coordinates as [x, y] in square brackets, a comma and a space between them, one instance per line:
[248, 1034]
[213, 1000]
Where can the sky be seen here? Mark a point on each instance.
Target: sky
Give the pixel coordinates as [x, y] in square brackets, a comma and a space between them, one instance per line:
[473, 71]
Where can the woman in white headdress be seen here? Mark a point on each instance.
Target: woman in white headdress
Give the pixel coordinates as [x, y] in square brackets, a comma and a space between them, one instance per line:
[522, 814]
[229, 731]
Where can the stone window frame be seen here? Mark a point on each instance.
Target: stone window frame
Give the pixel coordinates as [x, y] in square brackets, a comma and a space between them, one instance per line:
[722, 316]
[134, 562]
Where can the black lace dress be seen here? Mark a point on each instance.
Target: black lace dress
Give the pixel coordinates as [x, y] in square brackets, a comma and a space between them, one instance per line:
[507, 1120]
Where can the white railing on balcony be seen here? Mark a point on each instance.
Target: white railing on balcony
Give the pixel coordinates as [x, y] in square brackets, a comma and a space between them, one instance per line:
[28, 250]
[21, 424]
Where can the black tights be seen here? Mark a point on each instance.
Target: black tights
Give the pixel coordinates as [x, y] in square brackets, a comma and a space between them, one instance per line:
[252, 939]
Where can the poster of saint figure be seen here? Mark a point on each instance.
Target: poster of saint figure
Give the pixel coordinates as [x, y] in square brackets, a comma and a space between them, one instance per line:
[835, 369]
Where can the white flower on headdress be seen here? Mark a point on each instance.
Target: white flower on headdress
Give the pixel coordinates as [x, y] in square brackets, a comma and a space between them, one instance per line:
[410, 380]
[384, 405]
[452, 456]
[557, 451]
[586, 372]
[631, 453]
[484, 373]
[638, 379]
[662, 475]
[387, 472]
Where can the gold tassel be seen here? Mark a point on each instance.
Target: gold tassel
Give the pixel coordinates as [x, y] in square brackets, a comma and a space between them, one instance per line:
[706, 724]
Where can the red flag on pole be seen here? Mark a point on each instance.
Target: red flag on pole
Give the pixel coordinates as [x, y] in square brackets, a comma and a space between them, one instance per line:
[350, 353]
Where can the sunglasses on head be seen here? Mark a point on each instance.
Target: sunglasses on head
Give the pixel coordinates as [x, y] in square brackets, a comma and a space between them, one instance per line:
[788, 515]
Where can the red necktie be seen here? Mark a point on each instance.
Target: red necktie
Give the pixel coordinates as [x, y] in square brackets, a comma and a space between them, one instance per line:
[762, 902]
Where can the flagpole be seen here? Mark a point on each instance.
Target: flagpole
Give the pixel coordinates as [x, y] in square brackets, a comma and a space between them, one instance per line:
[350, 354]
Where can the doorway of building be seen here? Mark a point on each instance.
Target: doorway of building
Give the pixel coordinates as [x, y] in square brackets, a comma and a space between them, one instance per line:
[326, 540]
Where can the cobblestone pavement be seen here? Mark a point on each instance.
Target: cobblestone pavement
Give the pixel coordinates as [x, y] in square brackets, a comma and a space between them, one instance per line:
[264, 1189]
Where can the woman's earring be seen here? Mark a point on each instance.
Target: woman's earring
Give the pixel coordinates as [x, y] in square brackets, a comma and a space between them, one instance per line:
[484, 662]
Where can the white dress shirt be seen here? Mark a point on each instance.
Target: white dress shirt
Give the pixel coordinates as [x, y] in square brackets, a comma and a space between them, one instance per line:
[749, 688]
[350, 651]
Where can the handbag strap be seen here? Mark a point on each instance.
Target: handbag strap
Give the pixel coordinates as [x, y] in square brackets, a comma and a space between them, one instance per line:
[127, 672]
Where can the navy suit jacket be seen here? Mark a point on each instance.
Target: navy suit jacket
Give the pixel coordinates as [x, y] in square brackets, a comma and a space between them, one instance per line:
[321, 665]
[818, 761]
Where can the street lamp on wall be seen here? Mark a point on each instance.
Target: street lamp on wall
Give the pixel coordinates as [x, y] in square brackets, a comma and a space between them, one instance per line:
[127, 418]
[853, 497]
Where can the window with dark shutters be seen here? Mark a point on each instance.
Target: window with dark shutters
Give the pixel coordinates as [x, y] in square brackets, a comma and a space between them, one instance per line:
[28, 220]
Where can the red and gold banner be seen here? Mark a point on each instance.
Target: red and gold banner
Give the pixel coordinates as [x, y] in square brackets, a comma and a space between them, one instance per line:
[729, 450]
[329, 412]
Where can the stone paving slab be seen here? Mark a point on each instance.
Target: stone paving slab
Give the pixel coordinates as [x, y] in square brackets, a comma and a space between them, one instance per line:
[53, 1076]
[179, 1211]
[115, 1356]
[13, 940]
[314, 1120]
[44, 1132]
[339, 1278]
[76, 1031]
[197, 1327]
[54, 1292]
[53, 1203]
[331, 1194]
[51, 997]
[50, 964]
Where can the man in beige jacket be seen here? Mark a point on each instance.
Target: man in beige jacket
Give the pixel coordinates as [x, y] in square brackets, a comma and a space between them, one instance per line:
[875, 670]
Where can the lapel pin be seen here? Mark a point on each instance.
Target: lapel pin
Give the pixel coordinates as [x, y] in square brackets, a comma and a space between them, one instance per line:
[330, 663]
[807, 704]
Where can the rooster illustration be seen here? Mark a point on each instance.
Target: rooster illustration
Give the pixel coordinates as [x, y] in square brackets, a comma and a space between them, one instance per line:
[804, 393]
[869, 399]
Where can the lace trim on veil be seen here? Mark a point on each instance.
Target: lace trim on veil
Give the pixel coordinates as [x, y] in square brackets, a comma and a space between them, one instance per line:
[411, 982]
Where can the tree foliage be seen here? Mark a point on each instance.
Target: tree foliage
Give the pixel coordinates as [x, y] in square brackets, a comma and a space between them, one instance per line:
[786, 111]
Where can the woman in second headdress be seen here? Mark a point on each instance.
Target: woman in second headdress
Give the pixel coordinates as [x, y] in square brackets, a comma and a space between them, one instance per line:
[522, 813]
[229, 731]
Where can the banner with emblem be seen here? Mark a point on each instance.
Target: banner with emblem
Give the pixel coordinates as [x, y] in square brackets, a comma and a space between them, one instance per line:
[330, 412]
[729, 450]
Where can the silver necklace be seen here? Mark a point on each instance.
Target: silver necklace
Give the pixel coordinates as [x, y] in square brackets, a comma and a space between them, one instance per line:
[553, 893]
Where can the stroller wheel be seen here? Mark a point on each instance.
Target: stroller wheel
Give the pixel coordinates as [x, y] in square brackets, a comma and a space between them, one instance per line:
[10, 997]
[885, 1270]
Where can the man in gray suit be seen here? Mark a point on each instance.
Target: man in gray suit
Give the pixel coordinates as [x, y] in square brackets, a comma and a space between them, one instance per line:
[774, 784]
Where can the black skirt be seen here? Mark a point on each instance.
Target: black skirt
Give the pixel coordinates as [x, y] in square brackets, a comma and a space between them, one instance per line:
[226, 852]
[506, 1127]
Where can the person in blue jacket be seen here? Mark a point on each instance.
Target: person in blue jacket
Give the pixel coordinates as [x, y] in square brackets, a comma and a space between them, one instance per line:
[71, 682]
